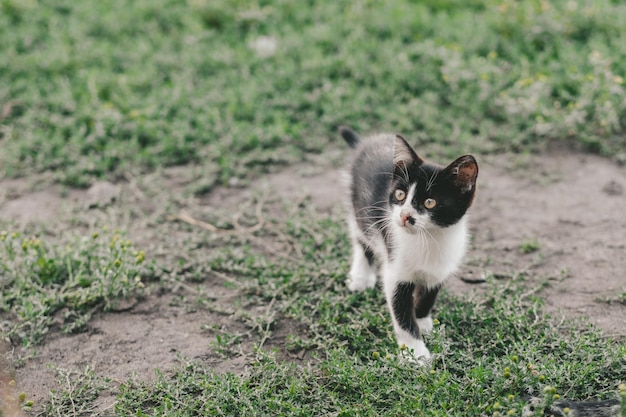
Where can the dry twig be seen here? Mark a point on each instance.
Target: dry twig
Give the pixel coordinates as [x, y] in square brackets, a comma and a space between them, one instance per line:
[238, 228]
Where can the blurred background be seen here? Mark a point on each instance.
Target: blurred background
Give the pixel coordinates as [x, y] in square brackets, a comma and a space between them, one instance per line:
[90, 89]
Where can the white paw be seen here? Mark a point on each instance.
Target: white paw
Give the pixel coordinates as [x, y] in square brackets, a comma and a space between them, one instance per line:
[361, 278]
[362, 275]
[416, 352]
[425, 325]
[362, 281]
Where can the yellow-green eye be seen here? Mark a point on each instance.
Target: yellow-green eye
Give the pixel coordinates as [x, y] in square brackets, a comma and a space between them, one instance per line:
[430, 203]
[399, 195]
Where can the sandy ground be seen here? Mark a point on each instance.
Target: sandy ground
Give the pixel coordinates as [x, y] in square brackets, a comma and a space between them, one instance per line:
[572, 207]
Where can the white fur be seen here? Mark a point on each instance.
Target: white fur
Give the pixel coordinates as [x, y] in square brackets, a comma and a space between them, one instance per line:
[362, 275]
[425, 324]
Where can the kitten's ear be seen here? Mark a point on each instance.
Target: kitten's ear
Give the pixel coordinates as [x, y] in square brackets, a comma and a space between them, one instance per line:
[403, 153]
[464, 172]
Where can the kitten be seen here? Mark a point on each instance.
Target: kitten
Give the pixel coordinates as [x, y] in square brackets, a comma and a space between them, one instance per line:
[409, 222]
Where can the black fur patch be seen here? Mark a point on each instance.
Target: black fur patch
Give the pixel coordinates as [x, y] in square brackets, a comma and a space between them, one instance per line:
[424, 300]
[403, 308]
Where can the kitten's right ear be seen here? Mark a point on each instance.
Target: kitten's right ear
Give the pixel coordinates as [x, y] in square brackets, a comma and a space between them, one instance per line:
[403, 153]
[464, 171]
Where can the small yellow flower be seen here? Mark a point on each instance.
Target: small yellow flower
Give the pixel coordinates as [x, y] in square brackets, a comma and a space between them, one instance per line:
[141, 256]
[403, 347]
[566, 411]
[549, 390]
[95, 235]
[21, 397]
[436, 322]
[375, 355]
[117, 263]
[497, 406]
[515, 358]
[556, 396]
[511, 412]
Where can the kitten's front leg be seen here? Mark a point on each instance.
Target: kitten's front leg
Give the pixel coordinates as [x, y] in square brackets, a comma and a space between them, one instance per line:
[399, 296]
[362, 272]
[424, 299]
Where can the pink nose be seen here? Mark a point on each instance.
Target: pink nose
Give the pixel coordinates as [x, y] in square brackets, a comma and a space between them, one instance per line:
[405, 218]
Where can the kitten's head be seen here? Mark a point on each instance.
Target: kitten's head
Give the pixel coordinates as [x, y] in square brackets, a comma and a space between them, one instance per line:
[427, 196]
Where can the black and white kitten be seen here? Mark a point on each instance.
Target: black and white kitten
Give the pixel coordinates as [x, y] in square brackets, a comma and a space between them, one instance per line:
[409, 223]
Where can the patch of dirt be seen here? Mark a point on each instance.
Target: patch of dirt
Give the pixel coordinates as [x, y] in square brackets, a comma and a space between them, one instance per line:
[570, 207]
[159, 332]
[566, 210]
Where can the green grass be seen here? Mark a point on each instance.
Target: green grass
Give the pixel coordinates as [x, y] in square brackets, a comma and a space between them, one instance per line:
[46, 285]
[93, 89]
[492, 353]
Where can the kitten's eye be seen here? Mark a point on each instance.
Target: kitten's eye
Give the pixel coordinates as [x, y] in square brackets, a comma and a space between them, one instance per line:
[430, 203]
[399, 195]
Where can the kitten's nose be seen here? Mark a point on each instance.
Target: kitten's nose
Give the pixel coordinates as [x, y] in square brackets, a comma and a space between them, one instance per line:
[407, 218]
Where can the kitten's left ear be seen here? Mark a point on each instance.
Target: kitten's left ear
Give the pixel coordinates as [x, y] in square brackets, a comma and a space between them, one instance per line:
[464, 172]
[403, 153]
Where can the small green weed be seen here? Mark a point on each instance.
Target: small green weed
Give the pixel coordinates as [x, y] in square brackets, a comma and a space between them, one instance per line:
[529, 246]
[80, 391]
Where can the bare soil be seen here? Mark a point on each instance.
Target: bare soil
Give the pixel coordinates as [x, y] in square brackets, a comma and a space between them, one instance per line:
[558, 220]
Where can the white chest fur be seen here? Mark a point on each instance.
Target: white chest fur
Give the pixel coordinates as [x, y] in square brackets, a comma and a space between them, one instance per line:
[426, 258]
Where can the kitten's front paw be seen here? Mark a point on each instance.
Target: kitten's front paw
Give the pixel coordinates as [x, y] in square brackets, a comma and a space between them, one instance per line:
[361, 282]
[425, 325]
[416, 352]
[359, 285]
